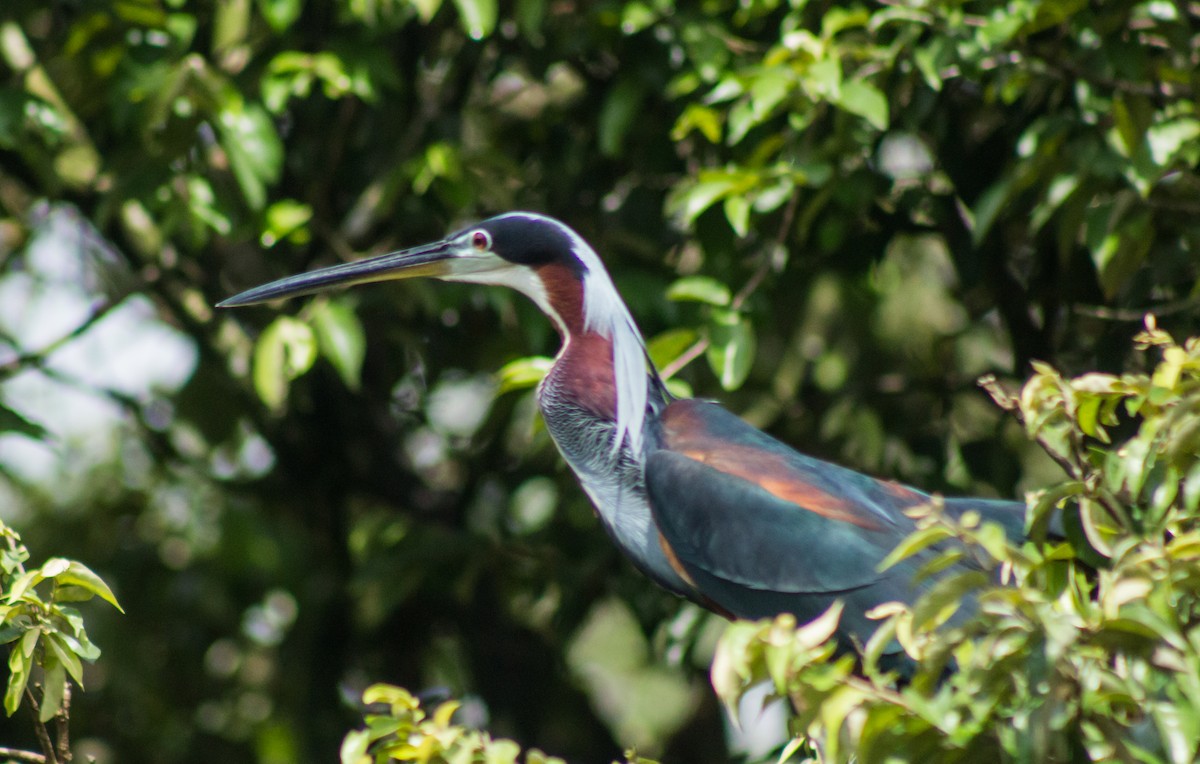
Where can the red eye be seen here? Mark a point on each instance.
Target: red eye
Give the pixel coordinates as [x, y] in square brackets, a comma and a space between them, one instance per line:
[481, 241]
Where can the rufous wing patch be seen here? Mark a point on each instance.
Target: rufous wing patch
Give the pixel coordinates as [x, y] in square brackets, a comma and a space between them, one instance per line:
[686, 434]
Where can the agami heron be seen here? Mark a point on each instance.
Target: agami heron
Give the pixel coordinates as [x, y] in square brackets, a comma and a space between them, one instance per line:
[704, 504]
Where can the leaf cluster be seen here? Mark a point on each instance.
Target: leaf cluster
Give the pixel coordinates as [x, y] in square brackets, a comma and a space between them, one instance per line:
[1084, 647]
[43, 631]
[404, 731]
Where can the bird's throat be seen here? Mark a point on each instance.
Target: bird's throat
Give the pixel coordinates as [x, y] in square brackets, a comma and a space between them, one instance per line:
[584, 370]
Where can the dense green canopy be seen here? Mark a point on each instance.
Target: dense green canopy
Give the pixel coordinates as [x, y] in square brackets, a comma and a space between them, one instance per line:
[834, 217]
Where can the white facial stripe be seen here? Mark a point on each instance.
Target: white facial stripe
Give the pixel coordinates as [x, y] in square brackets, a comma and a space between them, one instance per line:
[486, 268]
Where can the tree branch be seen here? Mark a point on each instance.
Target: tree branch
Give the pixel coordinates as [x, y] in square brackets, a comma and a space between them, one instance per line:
[16, 754]
[39, 728]
[62, 726]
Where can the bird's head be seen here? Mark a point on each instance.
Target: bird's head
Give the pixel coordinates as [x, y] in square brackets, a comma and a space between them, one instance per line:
[534, 254]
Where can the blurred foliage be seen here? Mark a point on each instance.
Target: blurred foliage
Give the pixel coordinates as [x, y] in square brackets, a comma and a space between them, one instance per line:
[1090, 653]
[45, 635]
[405, 734]
[850, 211]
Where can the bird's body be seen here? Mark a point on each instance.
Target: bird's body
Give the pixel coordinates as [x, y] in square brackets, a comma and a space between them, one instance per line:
[704, 504]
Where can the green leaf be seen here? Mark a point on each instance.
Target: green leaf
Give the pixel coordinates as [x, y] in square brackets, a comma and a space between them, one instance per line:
[477, 17]
[397, 697]
[65, 656]
[502, 752]
[22, 585]
[54, 686]
[341, 339]
[668, 346]
[703, 289]
[523, 373]
[699, 117]
[12, 421]
[737, 212]
[689, 201]
[354, 748]
[915, 542]
[231, 21]
[679, 388]
[530, 15]
[255, 152]
[1097, 526]
[1167, 140]
[80, 644]
[945, 596]
[280, 14]
[12, 630]
[731, 347]
[287, 219]
[54, 567]
[621, 108]
[865, 100]
[987, 207]
[79, 575]
[824, 78]
[28, 642]
[19, 666]
[204, 205]
[285, 350]
[1132, 115]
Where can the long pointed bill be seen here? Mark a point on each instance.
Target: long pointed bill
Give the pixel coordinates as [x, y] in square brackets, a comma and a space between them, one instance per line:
[426, 260]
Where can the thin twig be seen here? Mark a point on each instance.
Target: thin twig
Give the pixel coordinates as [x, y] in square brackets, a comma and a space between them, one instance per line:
[39, 728]
[764, 265]
[686, 357]
[1136, 314]
[16, 754]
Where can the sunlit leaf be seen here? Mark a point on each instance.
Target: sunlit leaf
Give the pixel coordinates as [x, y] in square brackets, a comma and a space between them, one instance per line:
[700, 118]
[286, 219]
[1168, 139]
[354, 748]
[340, 338]
[255, 152]
[280, 14]
[700, 289]
[285, 350]
[391, 695]
[477, 17]
[731, 347]
[865, 100]
[665, 348]
[691, 200]
[523, 373]
[79, 575]
[737, 212]
[66, 658]
[914, 543]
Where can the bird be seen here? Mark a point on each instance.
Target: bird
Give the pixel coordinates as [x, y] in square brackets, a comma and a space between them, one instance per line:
[701, 502]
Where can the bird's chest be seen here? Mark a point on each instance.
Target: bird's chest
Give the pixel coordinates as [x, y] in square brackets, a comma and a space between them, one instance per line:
[613, 480]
